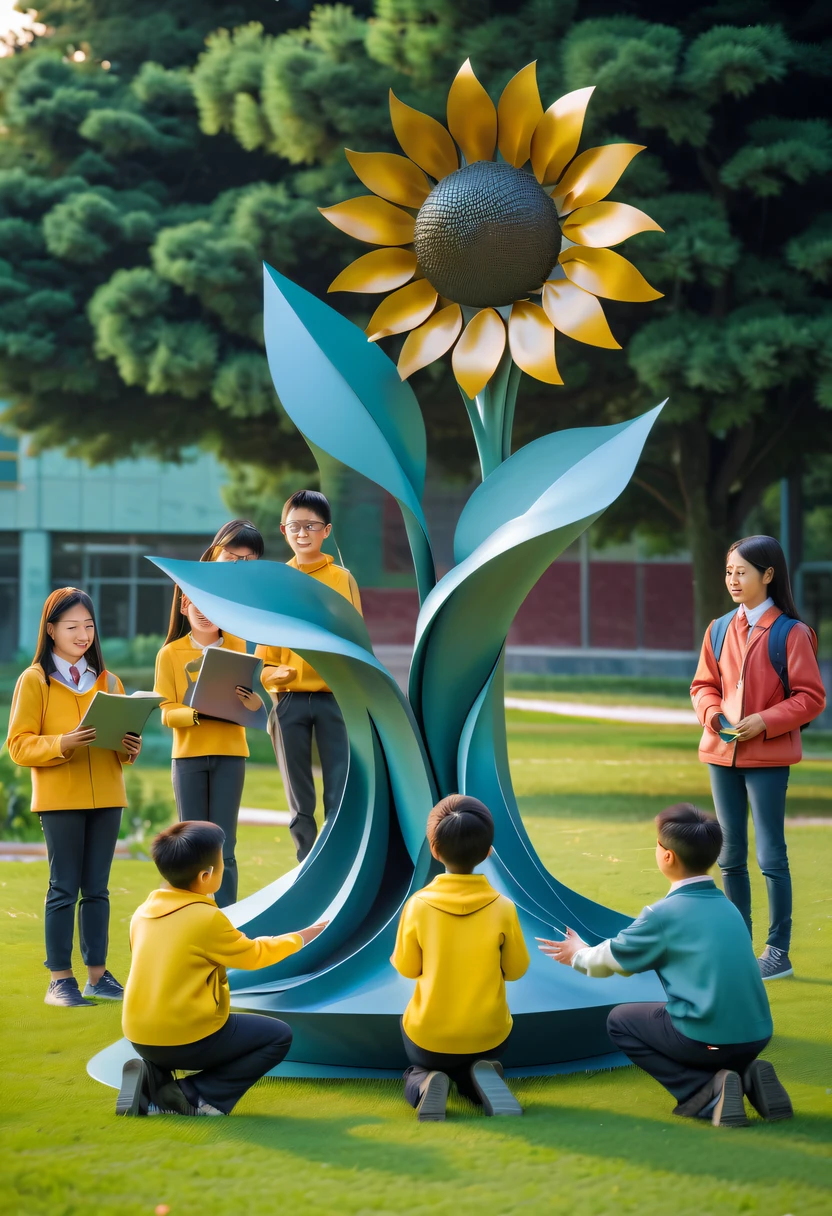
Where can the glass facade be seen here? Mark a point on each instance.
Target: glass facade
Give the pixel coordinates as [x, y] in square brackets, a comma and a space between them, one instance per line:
[9, 593]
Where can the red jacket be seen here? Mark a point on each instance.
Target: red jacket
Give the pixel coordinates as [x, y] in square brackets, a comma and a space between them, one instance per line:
[744, 683]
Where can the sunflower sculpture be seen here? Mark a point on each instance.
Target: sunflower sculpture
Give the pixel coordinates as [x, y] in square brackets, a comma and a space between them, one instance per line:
[494, 235]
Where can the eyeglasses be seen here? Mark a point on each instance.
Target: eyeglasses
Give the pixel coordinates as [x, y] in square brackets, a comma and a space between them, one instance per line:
[304, 525]
[239, 557]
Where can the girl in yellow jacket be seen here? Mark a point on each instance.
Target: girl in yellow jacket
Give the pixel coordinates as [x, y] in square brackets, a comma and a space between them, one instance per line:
[77, 791]
[209, 755]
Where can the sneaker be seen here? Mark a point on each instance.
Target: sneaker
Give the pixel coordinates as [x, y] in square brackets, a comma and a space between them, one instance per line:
[205, 1108]
[431, 1108]
[107, 989]
[495, 1095]
[65, 993]
[775, 964]
[720, 1100]
[133, 1096]
[765, 1091]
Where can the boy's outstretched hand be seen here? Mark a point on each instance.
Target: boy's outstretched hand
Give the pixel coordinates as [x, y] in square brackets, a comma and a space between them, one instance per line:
[312, 932]
[562, 952]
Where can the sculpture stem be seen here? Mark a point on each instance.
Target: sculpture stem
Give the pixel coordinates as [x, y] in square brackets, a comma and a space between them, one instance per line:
[492, 415]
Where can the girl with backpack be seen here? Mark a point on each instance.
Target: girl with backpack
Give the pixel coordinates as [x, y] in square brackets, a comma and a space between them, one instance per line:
[757, 685]
[77, 790]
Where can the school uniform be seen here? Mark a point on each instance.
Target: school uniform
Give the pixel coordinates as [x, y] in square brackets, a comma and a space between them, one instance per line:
[717, 1013]
[304, 705]
[756, 771]
[460, 940]
[79, 798]
[208, 764]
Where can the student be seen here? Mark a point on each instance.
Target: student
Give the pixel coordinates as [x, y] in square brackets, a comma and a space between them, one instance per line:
[209, 755]
[236, 541]
[740, 687]
[460, 940]
[176, 1005]
[302, 702]
[77, 791]
[701, 1044]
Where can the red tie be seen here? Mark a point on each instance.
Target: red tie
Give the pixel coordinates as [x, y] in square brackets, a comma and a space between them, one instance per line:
[76, 675]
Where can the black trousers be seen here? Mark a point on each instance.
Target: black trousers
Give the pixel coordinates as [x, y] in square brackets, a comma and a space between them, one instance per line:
[211, 788]
[457, 1067]
[229, 1061]
[291, 723]
[80, 847]
[648, 1037]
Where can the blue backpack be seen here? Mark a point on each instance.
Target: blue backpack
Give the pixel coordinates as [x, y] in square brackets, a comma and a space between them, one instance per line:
[778, 636]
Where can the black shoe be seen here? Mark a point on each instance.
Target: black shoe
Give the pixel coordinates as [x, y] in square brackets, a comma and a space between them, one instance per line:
[720, 1100]
[775, 964]
[434, 1097]
[165, 1093]
[133, 1096]
[66, 994]
[495, 1095]
[765, 1091]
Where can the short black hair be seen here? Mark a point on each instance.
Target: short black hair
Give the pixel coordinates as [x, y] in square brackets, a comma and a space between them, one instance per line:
[694, 836]
[184, 850]
[461, 830]
[313, 500]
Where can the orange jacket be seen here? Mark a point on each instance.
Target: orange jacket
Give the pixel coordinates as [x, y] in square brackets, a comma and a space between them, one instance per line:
[744, 683]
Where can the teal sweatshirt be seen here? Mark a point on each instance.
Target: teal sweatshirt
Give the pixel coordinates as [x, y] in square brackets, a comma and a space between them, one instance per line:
[697, 942]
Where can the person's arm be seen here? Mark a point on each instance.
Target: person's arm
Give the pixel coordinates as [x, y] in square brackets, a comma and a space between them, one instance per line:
[407, 955]
[277, 670]
[174, 713]
[514, 954]
[706, 689]
[228, 947]
[355, 594]
[808, 696]
[573, 951]
[27, 746]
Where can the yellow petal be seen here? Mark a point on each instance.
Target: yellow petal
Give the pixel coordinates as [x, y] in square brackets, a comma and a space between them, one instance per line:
[557, 135]
[430, 341]
[404, 310]
[472, 118]
[372, 220]
[423, 139]
[605, 224]
[592, 175]
[577, 314]
[531, 337]
[393, 177]
[479, 350]
[518, 113]
[606, 274]
[380, 270]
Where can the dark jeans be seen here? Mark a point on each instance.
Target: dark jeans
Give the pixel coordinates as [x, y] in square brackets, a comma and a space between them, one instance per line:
[211, 787]
[457, 1067]
[80, 846]
[648, 1037]
[291, 724]
[765, 789]
[229, 1061]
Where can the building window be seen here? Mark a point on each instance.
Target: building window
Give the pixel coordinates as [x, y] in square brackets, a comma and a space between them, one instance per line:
[9, 593]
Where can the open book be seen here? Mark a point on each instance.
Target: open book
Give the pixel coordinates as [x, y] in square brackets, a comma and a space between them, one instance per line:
[114, 715]
[214, 691]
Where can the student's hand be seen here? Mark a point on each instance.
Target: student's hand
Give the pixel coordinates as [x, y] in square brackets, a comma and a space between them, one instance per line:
[249, 699]
[312, 932]
[132, 744]
[284, 674]
[562, 952]
[749, 728]
[80, 737]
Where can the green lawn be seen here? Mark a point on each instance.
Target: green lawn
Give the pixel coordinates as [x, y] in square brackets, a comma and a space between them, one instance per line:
[589, 1145]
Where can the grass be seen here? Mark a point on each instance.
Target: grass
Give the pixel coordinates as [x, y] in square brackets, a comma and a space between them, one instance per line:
[588, 1145]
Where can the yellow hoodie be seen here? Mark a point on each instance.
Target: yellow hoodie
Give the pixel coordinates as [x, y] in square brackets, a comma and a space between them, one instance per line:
[192, 735]
[177, 990]
[460, 940]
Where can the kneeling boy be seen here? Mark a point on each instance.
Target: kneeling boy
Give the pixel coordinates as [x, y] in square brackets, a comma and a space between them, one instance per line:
[176, 1000]
[702, 1043]
[460, 940]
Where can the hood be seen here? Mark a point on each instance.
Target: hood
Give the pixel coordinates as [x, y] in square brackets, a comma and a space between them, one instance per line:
[459, 894]
[163, 902]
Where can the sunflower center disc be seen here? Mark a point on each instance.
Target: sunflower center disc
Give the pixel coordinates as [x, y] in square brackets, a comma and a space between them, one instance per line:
[487, 235]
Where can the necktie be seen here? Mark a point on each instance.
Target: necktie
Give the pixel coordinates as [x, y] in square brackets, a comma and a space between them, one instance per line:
[76, 675]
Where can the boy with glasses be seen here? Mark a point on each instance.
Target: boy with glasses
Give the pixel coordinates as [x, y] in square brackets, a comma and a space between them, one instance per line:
[303, 702]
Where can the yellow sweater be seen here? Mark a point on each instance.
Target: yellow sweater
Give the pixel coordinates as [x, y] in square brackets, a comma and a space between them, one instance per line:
[307, 679]
[42, 711]
[460, 941]
[193, 736]
[177, 990]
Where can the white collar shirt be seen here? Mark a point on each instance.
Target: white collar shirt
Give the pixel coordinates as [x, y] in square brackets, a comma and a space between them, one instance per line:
[752, 615]
[87, 675]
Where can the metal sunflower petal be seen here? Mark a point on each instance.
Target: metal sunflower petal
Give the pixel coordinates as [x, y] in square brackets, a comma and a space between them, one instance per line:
[379, 270]
[430, 341]
[472, 118]
[423, 139]
[372, 220]
[606, 274]
[577, 314]
[604, 224]
[403, 310]
[531, 338]
[518, 113]
[557, 135]
[592, 175]
[392, 177]
[479, 351]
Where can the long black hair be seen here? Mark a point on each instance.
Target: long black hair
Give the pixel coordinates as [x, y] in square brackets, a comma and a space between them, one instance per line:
[56, 605]
[764, 553]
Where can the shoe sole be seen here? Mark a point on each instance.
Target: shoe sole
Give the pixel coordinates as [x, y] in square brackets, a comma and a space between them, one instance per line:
[730, 1107]
[497, 1098]
[766, 1093]
[431, 1108]
[82, 1004]
[129, 1100]
[781, 975]
[98, 997]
